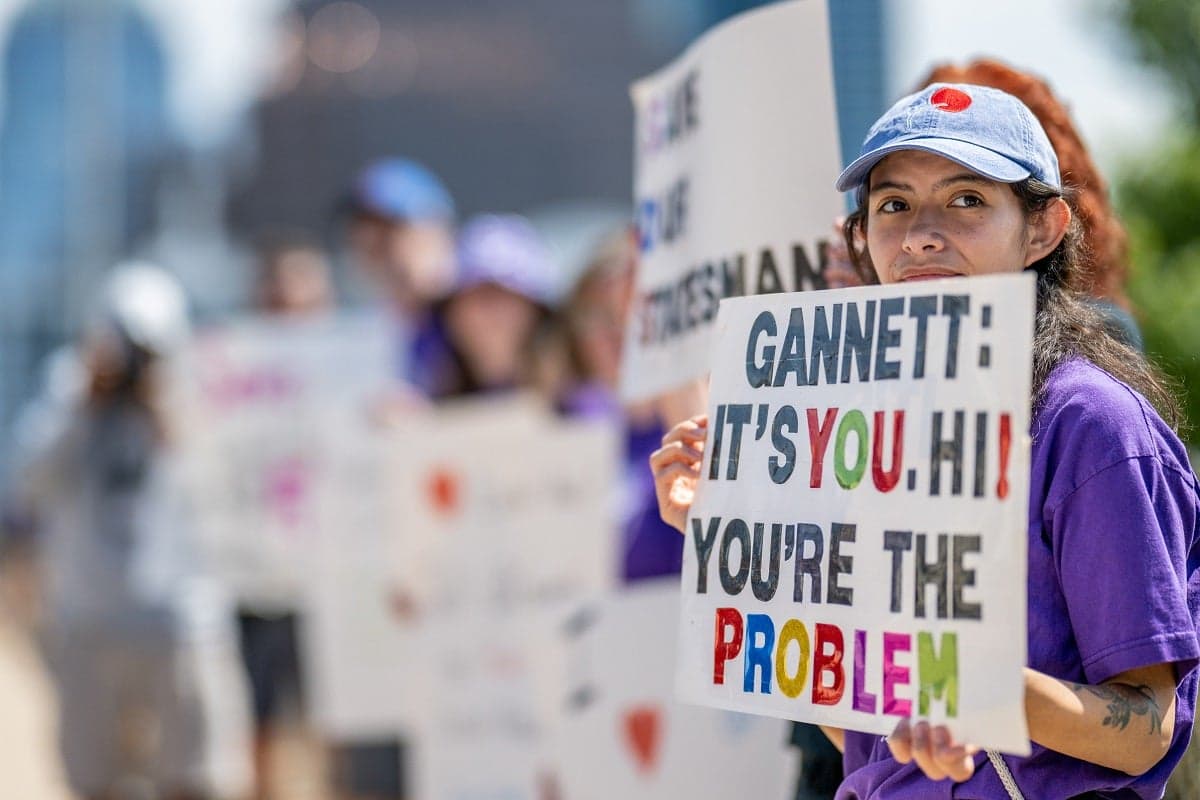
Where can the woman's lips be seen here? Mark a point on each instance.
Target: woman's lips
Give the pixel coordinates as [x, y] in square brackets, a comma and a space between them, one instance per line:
[913, 277]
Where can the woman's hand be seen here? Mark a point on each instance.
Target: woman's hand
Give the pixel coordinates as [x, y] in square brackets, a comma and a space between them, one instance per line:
[676, 469]
[934, 750]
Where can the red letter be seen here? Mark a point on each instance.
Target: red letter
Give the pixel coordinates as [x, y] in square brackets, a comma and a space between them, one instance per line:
[726, 648]
[886, 481]
[818, 440]
[828, 662]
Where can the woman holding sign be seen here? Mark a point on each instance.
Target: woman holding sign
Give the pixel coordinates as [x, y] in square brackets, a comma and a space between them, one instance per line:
[957, 181]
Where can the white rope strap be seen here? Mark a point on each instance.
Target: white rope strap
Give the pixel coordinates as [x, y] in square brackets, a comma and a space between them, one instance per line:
[1006, 776]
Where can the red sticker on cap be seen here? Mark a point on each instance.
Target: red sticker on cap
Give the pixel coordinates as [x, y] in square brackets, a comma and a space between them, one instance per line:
[947, 99]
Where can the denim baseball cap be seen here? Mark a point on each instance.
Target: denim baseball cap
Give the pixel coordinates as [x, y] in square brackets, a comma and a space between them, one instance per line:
[403, 190]
[988, 131]
[505, 250]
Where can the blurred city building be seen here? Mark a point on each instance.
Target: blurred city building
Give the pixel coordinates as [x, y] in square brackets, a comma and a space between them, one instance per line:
[84, 133]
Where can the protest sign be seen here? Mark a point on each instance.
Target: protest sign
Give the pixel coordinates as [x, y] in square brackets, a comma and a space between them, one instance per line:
[483, 497]
[362, 680]
[262, 395]
[365, 659]
[507, 526]
[857, 547]
[735, 159]
[625, 735]
[435, 613]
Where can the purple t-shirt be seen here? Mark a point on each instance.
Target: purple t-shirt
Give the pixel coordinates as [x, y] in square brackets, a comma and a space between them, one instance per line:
[1114, 584]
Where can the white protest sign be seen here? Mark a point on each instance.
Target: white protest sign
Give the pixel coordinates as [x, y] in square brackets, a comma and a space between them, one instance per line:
[857, 547]
[508, 526]
[367, 662]
[361, 679]
[498, 521]
[504, 510]
[493, 683]
[263, 394]
[625, 735]
[735, 159]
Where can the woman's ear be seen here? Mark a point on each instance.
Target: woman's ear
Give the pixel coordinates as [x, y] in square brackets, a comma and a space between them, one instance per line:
[1046, 229]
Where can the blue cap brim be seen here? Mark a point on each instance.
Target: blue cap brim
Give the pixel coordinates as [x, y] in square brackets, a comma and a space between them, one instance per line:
[981, 160]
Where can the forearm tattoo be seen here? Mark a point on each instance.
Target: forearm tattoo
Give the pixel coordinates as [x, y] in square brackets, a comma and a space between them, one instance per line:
[1124, 701]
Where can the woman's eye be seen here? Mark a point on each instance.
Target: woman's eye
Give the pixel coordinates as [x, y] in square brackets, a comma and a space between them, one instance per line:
[967, 201]
[892, 206]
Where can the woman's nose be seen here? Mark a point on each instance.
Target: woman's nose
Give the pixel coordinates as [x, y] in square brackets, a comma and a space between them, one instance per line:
[923, 237]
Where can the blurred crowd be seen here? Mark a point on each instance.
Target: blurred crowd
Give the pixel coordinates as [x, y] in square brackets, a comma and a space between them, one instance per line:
[170, 687]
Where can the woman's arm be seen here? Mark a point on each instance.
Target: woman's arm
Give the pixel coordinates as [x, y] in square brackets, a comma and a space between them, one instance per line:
[835, 735]
[1125, 723]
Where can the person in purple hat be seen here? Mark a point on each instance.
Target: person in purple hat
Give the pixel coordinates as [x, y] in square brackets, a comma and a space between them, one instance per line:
[961, 180]
[502, 296]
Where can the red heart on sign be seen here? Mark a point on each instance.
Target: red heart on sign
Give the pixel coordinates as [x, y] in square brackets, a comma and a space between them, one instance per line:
[443, 490]
[643, 735]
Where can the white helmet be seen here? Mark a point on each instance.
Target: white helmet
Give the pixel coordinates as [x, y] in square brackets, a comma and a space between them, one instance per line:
[147, 305]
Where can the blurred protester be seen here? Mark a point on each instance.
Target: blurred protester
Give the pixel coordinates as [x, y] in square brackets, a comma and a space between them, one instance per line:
[596, 313]
[144, 656]
[400, 228]
[499, 304]
[400, 231]
[293, 282]
[293, 277]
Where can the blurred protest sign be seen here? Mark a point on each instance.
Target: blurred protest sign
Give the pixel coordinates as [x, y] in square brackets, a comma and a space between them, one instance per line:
[856, 551]
[508, 525]
[436, 615]
[504, 510]
[366, 664]
[263, 395]
[735, 159]
[361, 663]
[625, 735]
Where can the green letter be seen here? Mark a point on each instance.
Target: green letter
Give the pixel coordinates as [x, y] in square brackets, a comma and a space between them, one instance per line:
[852, 422]
[938, 675]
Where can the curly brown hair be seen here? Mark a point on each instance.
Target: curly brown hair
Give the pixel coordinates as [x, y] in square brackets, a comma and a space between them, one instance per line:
[1104, 262]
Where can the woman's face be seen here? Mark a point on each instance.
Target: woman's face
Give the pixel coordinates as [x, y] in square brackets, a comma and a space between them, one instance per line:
[929, 218]
[491, 327]
[598, 323]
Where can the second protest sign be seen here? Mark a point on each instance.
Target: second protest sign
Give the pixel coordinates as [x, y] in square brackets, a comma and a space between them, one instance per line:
[856, 552]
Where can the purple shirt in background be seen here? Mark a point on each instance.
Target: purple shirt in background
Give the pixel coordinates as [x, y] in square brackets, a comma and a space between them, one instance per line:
[1113, 584]
[650, 548]
[423, 358]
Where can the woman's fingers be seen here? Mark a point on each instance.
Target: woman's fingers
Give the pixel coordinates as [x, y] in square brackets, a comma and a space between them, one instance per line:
[922, 752]
[675, 488]
[674, 452]
[676, 469]
[956, 760]
[900, 742]
[691, 431]
[933, 750]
